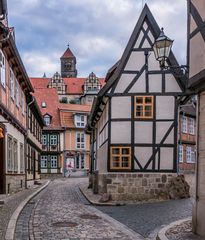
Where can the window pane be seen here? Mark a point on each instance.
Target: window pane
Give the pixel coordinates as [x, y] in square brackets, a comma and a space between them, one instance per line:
[125, 161]
[125, 151]
[116, 161]
[139, 111]
[139, 100]
[148, 100]
[115, 151]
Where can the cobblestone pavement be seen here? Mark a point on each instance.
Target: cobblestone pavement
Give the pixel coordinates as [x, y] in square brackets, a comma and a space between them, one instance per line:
[7, 209]
[182, 232]
[61, 212]
[148, 218]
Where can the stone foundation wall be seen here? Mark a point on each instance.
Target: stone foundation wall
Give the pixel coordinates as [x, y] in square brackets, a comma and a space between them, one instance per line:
[14, 183]
[133, 186]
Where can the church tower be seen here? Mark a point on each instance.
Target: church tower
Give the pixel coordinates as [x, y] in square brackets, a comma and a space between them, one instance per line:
[68, 64]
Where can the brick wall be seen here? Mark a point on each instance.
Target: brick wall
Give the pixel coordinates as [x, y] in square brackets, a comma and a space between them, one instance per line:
[133, 186]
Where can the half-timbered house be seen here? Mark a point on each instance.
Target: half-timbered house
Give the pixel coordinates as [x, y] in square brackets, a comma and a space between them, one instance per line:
[52, 134]
[14, 88]
[196, 58]
[35, 124]
[133, 122]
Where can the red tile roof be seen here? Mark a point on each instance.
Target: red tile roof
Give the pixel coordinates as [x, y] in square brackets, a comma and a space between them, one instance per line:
[75, 107]
[67, 53]
[50, 97]
[75, 85]
[40, 82]
[67, 112]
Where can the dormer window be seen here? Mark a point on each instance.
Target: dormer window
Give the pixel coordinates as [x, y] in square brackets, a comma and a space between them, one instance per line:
[80, 121]
[47, 120]
[43, 104]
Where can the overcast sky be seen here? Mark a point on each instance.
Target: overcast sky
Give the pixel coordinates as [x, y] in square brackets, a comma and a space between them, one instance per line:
[96, 30]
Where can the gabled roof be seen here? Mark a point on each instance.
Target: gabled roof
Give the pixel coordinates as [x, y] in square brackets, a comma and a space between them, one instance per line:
[39, 83]
[50, 97]
[68, 54]
[75, 85]
[118, 67]
[75, 107]
[67, 112]
[115, 71]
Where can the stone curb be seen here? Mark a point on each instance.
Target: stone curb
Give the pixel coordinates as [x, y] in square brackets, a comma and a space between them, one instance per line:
[162, 233]
[10, 232]
[99, 203]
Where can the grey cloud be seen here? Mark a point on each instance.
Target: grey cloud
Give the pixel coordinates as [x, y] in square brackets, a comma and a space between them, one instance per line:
[97, 30]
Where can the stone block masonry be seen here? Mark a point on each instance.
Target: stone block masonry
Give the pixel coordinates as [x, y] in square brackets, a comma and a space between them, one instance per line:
[134, 186]
[15, 183]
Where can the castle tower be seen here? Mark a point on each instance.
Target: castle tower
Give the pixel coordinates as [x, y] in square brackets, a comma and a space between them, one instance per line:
[68, 64]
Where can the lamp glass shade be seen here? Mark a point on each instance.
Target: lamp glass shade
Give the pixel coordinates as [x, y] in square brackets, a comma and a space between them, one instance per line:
[162, 47]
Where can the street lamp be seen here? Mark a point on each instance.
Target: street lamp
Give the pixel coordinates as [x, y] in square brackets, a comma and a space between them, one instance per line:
[162, 47]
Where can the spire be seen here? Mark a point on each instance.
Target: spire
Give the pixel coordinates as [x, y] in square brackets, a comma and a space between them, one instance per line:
[68, 53]
[44, 75]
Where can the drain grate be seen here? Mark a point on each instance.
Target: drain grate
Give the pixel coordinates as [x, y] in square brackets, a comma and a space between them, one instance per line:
[89, 216]
[64, 224]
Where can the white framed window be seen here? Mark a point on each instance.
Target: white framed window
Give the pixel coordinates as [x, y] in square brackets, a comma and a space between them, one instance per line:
[193, 156]
[17, 93]
[184, 124]
[44, 139]
[15, 152]
[80, 161]
[191, 126]
[44, 161]
[80, 140]
[188, 154]
[43, 104]
[180, 154]
[22, 103]
[47, 120]
[21, 158]
[10, 153]
[11, 84]
[54, 162]
[22, 165]
[2, 69]
[53, 139]
[80, 121]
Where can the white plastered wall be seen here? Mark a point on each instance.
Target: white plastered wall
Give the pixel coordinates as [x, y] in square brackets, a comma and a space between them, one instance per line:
[143, 132]
[102, 158]
[163, 103]
[120, 132]
[121, 107]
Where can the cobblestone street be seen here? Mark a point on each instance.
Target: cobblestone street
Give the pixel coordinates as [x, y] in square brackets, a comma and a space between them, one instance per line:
[61, 212]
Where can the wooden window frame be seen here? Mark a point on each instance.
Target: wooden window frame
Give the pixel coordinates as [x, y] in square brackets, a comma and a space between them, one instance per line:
[120, 155]
[143, 104]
